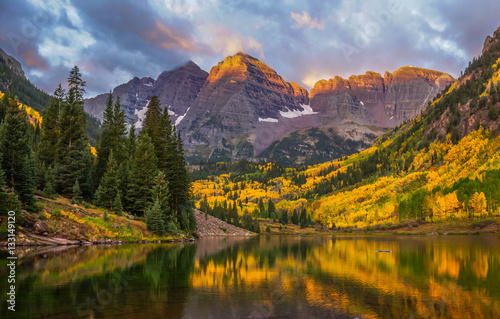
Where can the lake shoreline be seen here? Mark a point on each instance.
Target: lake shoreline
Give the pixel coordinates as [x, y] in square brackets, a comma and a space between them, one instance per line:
[488, 225]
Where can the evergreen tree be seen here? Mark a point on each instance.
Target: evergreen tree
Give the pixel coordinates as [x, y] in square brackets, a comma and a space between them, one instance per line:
[74, 157]
[165, 148]
[104, 145]
[180, 182]
[125, 167]
[49, 182]
[118, 131]
[109, 185]
[303, 218]
[131, 142]
[284, 217]
[161, 192]
[3, 192]
[142, 175]
[49, 131]
[271, 209]
[117, 204]
[295, 217]
[151, 122]
[154, 220]
[18, 161]
[77, 194]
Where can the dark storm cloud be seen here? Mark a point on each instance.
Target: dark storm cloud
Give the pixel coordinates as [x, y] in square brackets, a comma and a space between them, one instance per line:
[304, 41]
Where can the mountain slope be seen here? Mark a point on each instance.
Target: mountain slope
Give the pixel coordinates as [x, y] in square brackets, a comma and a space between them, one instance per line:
[444, 164]
[12, 77]
[243, 106]
[177, 89]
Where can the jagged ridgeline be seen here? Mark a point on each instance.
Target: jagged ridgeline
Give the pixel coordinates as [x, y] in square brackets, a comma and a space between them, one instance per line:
[243, 109]
[442, 164]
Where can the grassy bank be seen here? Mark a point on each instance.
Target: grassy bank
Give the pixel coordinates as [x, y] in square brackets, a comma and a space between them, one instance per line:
[410, 227]
[58, 218]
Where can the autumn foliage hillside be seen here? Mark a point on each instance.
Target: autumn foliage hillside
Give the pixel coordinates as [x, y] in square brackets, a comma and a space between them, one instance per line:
[442, 165]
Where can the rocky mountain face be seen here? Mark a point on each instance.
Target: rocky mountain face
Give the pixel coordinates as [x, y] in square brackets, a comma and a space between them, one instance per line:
[384, 101]
[177, 89]
[12, 77]
[11, 63]
[242, 108]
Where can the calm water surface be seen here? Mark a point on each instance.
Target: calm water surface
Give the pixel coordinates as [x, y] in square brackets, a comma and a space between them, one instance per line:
[263, 277]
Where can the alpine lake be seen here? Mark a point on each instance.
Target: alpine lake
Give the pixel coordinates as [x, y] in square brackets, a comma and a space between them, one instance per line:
[268, 276]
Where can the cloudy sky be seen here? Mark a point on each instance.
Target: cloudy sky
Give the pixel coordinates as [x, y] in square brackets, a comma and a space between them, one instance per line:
[304, 41]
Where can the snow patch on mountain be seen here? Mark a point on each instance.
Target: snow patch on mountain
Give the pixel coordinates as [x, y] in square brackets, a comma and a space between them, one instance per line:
[180, 118]
[141, 114]
[307, 110]
[269, 119]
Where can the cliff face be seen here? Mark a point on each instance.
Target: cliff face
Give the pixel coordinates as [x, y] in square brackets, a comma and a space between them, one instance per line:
[385, 101]
[489, 41]
[243, 106]
[11, 63]
[177, 89]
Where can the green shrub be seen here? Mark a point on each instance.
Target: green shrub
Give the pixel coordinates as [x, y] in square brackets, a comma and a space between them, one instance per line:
[56, 213]
[40, 206]
[268, 229]
[493, 113]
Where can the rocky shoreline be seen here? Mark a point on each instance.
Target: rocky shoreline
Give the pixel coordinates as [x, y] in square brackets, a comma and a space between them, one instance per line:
[29, 239]
[208, 226]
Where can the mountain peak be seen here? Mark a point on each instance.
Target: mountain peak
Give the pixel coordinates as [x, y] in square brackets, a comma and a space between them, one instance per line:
[489, 41]
[12, 63]
[411, 73]
[190, 64]
[239, 67]
[243, 54]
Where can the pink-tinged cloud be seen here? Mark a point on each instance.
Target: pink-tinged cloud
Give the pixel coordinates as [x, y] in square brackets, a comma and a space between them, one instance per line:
[33, 59]
[169, 38]
[305, 20]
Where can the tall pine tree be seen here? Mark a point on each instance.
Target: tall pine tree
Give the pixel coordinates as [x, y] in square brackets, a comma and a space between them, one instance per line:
[49, 134]
[18, 161]
[180, 183]
[104, 145]
[3, 192]
[141, 179]
[112, 138]
[73, 150]
[107, 190]
[161, 192]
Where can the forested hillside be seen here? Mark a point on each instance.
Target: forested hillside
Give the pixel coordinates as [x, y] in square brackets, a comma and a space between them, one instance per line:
[144, 175]
[444, 164]
[12, 78]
